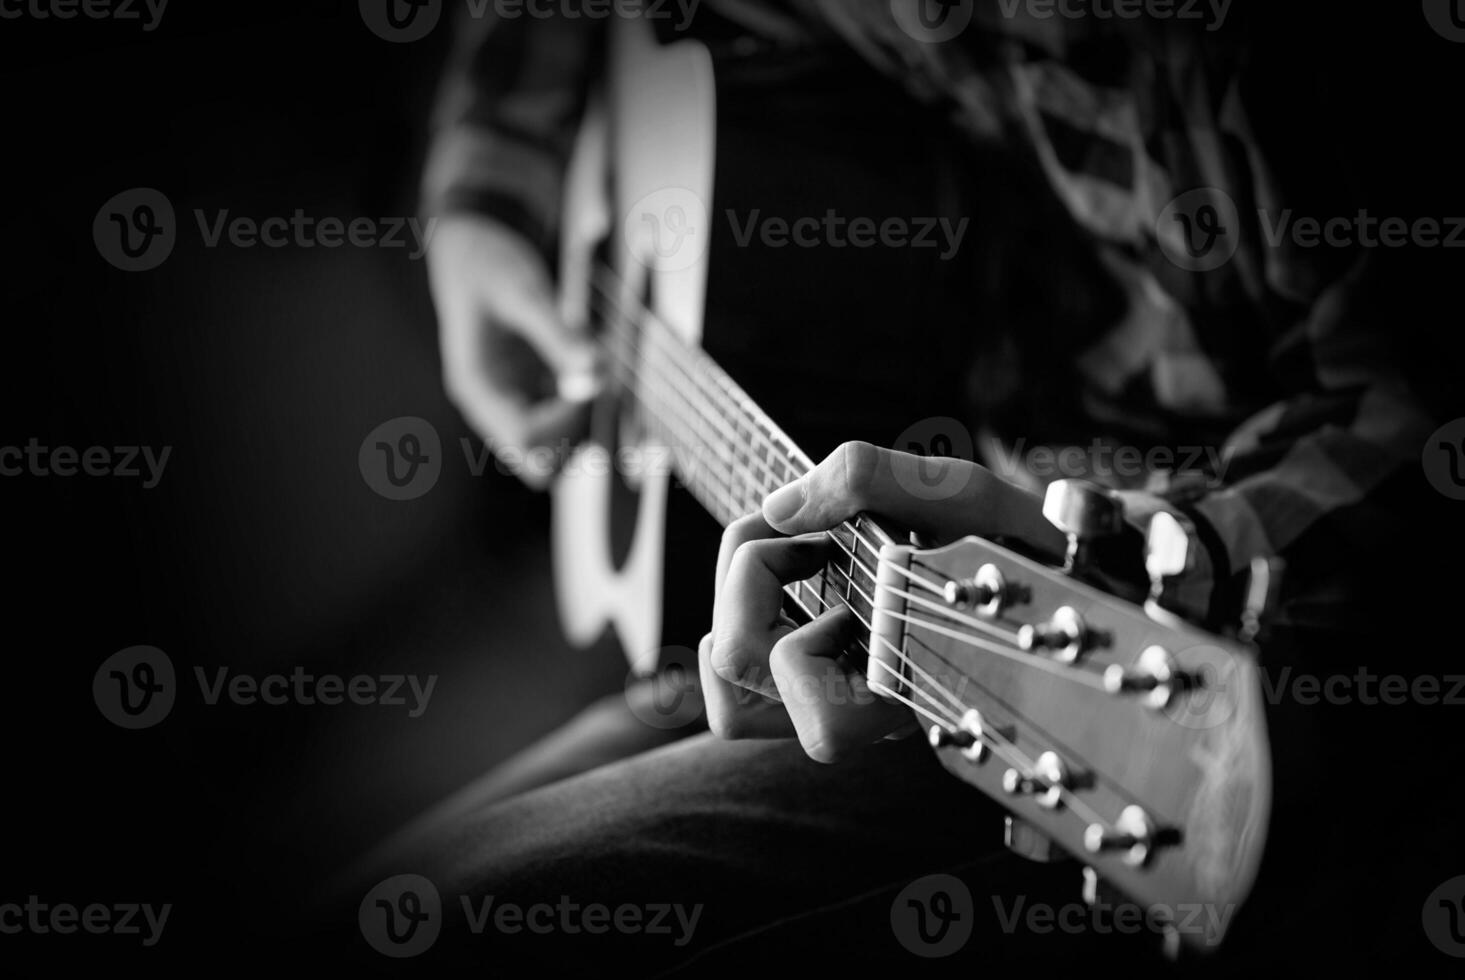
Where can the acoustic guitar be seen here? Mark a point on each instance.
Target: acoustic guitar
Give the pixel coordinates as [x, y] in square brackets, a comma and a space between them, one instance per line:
[1109, 729]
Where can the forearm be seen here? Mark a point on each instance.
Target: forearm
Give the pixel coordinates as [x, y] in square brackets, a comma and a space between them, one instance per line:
[504, 127]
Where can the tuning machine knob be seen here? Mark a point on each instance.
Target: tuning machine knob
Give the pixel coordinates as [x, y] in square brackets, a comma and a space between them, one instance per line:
[1045, 783]
[971, 736]
[1133, 833]
[1170, 554]
[987, 593]
[1084, 512]
[1065, 637]
[1155, 676]
[1263, 586]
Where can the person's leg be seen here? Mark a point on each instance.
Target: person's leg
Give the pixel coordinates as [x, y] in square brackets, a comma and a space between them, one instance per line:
[650, 713]
[715, 851]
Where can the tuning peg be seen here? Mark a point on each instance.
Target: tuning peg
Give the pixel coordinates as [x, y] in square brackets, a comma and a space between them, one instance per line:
[1263, 586]
[987, 592]
[1096, 889]
[1065, 637]
[1084, 512]
[970, 736]
[1155, 676]
[1133, 833]
[1170, 553]
[946, 738]
[1045, 783]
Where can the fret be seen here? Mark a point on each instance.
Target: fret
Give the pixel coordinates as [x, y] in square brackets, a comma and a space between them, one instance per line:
[812, 590]
[730, 456]
[862, 562]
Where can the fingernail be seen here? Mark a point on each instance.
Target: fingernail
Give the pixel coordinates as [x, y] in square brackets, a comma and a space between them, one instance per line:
[782, 504]
[579, 386]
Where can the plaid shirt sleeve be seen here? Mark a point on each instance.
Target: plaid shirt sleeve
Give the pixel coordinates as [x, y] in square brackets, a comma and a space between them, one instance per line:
[1181, 153]
[1305, 336]
[507, 116]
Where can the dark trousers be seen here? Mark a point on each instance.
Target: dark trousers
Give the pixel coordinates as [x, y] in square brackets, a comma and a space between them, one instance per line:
[715, 857]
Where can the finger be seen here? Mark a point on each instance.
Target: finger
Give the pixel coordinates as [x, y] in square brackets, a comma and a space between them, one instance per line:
[732, 710]
[486, 386]
[939, 498]
[750, 528]
[572, 356]
[748, 614]
[735, 713]
[858, 477]
[832, 709]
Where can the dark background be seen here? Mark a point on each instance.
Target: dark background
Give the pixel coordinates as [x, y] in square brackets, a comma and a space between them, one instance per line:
[263, 548]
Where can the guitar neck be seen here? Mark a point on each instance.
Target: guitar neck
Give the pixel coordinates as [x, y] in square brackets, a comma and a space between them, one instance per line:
[730, 455]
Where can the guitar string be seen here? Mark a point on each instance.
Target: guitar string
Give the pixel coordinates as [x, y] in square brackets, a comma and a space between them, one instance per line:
[952, 614]
[643, 323]
[728, 502]
[1058, 670]
[900, 656]
[854, 558]
[791, 461]
[1001, 747]
[731, 482]
[749, 481]
[677, 352]
[732, 488]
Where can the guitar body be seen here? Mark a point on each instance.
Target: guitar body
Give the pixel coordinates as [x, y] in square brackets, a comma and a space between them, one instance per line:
[650, 130]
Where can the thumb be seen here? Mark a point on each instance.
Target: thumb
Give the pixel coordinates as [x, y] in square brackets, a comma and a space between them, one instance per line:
[572, 356]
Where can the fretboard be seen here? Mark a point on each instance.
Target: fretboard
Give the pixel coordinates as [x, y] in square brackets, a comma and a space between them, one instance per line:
[730, 455]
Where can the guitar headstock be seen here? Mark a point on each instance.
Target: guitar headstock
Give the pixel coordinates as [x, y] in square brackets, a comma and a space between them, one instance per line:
[1130, 739]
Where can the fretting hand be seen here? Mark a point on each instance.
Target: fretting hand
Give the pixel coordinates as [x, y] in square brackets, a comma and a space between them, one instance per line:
[765, 677]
